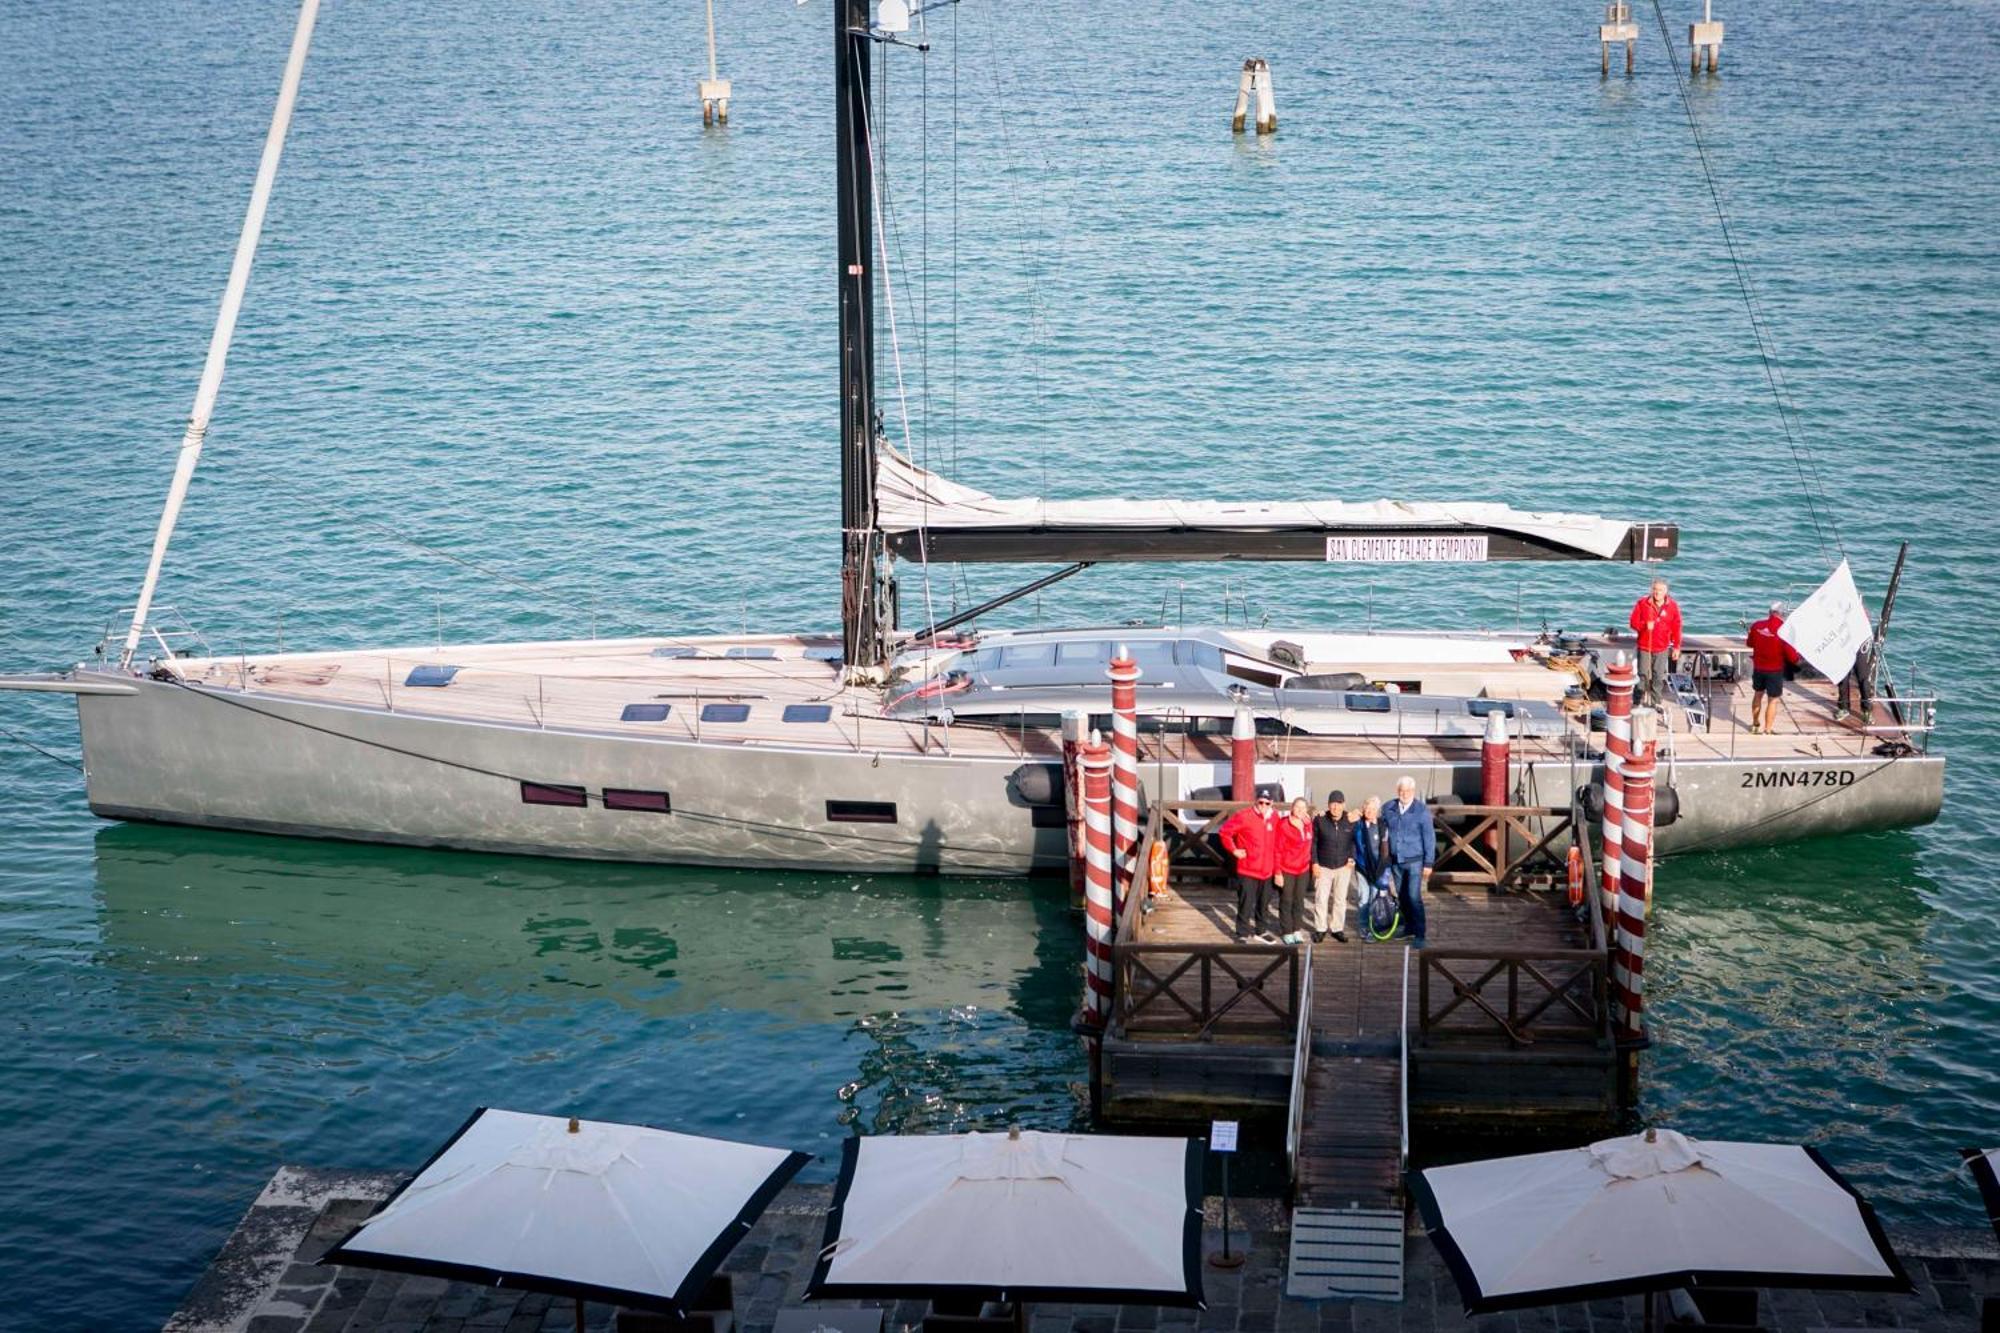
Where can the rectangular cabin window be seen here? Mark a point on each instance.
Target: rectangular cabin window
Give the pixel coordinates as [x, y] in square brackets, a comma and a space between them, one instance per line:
[1244, 671]
[1047, 816]
[751, 654]
[1368, 703]
[860, 812]
[622, 798]
[1483, 707]
[808, 712]
[430, 677]
[1069, 654]
[1152, 655]
[548, 793]
[725, 712]
[645, 712]
[1028, 655]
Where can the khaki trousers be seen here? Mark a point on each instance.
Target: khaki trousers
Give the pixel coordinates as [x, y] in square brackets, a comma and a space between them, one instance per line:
[1330, 885]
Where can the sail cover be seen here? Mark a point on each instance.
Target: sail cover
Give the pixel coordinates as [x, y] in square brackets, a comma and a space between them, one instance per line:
[925, 516]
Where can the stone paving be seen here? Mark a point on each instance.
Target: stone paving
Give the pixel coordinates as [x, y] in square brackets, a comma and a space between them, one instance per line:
[266, 1281]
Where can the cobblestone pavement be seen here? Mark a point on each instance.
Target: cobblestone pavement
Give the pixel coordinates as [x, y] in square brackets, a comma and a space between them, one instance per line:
[266, 1281]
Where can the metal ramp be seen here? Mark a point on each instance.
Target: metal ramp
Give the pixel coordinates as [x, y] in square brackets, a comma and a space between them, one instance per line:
[1346, 1254]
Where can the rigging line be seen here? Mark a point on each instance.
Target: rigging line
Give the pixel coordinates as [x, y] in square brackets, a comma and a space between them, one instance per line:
[781, 830]
[896, 350]
[954, 243]
[18, 739]
[1772, 376]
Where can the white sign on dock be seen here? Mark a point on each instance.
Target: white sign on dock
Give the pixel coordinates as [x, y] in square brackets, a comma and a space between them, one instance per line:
[1405, 548]
[1222, 1136]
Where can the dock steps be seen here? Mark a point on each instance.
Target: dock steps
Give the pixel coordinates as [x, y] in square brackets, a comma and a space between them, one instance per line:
[1346, 1254]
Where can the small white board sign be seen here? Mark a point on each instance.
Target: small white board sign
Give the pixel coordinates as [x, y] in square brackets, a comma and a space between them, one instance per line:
[1222, 1136]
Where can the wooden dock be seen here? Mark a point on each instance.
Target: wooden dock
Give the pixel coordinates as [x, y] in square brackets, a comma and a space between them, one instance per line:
[1503, 1023]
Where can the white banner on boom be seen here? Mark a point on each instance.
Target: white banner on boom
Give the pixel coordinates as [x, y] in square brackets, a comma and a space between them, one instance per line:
[1406, 548]
[1831, 626]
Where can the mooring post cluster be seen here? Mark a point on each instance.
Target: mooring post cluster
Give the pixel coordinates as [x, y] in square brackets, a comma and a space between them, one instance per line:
[1617, 27]
[1124, 674]
[1704, 36]
[714, 90]
[1255, 84]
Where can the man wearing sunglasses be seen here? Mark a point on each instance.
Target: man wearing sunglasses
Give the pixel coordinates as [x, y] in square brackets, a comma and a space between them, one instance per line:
[1249, 837]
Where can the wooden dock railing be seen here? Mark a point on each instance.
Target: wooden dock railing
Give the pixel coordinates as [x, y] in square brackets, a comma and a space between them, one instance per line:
[1201, 991]
[1526, 836]
[1557, 995]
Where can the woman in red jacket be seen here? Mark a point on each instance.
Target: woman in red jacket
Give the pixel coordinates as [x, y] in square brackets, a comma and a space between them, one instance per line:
[1294, 848]
[1247, 835]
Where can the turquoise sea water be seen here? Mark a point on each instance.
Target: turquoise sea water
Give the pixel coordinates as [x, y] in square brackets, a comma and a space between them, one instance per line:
[515, 303]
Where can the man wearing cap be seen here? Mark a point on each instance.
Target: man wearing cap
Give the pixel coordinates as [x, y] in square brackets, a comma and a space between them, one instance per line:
[1656, 618]
[1248, 836]
[1333, 867]
[1770, 658]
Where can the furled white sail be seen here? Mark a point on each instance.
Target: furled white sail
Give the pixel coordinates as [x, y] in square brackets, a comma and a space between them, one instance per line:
[909, 499]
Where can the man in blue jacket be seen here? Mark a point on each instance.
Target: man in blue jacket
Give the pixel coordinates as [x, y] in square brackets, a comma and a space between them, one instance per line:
[1411, 841]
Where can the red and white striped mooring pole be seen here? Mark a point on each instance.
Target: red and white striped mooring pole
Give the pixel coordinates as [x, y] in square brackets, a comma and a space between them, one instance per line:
[1634, 877]
[1243, 757]
[1074, 723]
[1124, 673]
[1095, 760]
[1493, 751]
[1619, 680]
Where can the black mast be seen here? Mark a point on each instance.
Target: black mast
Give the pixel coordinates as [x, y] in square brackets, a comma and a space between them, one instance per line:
[860, 602]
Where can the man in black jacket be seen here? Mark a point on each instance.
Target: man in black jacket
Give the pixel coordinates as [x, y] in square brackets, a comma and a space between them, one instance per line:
[1333, 867]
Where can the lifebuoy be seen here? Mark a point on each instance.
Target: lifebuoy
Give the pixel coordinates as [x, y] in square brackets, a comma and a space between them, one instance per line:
[1575, 875]
[1156, 870]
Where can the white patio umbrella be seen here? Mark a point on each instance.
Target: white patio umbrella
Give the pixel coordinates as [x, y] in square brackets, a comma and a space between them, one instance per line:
[1021, 1216]
[583, 1208]
[1985, 1165]
[1651, 1213]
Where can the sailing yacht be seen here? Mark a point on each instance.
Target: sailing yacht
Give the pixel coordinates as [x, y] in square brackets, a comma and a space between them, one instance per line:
[938, 748]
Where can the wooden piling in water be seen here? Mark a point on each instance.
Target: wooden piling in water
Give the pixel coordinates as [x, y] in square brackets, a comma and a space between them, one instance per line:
[1255, 84]
[1705, 36]
[1098, 922]
[1124, 674]
[1617, 27]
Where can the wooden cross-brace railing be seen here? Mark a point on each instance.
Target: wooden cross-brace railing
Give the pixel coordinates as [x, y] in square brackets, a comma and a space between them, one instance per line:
[1468, 834]
[1189, 990]
[1560, 982]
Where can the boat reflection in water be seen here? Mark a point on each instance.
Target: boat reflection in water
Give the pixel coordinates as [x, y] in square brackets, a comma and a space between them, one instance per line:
[788, 1004]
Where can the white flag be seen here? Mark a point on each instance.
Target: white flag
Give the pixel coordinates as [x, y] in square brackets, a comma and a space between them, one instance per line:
[1831, 626]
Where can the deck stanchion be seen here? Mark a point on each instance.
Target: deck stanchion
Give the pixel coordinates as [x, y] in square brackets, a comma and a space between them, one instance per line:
[1074, 724]
[1493, 751]
[1619, 681]
[1124, 674]
[1098, 922]
[1243, 757]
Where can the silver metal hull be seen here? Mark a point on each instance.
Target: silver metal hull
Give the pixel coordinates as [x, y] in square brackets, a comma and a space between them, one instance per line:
[169, 754]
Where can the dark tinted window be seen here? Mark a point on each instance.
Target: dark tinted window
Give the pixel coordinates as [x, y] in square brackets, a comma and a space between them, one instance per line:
[433, 677]
[1028, 654]
[1481, 707]
[808, 712]
[1047, 816]
[543, 793]
[861, 812]
[645, 712]
[725, 712]
[1368, 703]
[621, 798]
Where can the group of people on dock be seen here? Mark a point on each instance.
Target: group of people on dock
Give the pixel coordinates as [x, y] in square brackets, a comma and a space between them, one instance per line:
[1304, 867]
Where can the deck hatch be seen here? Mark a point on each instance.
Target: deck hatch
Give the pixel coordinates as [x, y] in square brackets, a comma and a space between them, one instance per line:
[808, 712]
[622, 798]
[430, 677]
[645, 712]
[548, 793]
[725, 712]
[830, 653]
[1485, 707]
[751, 654]
[676, 652]
[860, 812]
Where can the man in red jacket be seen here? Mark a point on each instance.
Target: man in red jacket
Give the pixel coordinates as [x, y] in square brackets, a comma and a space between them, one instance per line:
[1248, 836]
[1657, 618]
[1769, 658]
